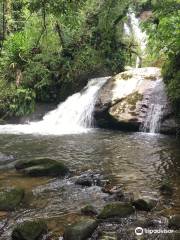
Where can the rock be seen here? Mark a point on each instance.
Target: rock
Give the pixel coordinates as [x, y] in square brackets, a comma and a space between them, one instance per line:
[174, 222]
[81, 230]
[145, 203]
[166, 188]
[10, 199]
[84, 181]
[116, 209]
[125, 101]
[29, 230]
[89, 179]
[89, 210]
[42, 167]
[169, 125]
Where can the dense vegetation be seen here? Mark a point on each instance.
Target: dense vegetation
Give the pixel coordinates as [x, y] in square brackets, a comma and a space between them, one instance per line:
[163, 29]
[49, 49]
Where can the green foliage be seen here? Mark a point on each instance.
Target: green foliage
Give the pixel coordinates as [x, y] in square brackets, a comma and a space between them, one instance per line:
[54, 46]
[23, 102]
[7, 92]
[171, 73]
[164, 44]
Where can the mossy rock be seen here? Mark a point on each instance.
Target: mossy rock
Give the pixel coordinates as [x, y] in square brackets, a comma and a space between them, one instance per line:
[174, 222]
[166, 188]
[116, 209]
[89, 210]
[10, 199]
[81, 230]
[145, 203]
[42, 167]
[29, 230]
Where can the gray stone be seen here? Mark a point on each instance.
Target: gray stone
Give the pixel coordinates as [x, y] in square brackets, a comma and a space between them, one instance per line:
[11, 198]
[116, 209]
[145, 203]
[29, 230]
[81, 230]
[41, 167]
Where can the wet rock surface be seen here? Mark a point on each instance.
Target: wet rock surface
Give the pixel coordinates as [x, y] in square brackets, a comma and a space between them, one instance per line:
[89, 210]
[89, 179]
[81, 230]
[174, 221]
[145, 203]
[125, 101]
[11, 198]
[116, 209]
[29, 230]
[42, 167]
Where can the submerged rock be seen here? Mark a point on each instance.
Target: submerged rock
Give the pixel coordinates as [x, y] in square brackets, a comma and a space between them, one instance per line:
[81, 230]
[116, 209]
[166, 188]
[127, 99]
[29, 230]
[10, 199]
[174, 222]
[42, 167]
[89, 179]
[89, 210]
[145, 203]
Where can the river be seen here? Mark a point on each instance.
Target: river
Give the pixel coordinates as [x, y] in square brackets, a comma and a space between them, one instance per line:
[139, 162]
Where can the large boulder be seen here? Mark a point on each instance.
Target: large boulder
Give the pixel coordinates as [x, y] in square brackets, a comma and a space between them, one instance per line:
[29, 230]
[116, 209]
[41, 167]
[126, 99]
[11, 198]
[81, 230]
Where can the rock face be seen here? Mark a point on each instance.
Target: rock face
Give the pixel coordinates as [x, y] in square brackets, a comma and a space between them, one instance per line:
[42, 167]
[126, 100]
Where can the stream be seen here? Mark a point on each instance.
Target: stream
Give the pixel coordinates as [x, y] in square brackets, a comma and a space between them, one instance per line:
[139, 162]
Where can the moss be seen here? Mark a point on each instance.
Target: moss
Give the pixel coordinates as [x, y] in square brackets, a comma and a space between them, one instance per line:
[133, 98]
[10, 199]
[42, 167]
[81, 230]
[29, 230]
[145, 204]
[117, 209]
[89, 210]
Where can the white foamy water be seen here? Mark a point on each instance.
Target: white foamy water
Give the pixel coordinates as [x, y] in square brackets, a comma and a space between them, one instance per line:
[157, 106]
[73, 116]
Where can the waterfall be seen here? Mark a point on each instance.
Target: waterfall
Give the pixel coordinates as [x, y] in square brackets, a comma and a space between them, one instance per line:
[73, 116]
[156, 108]
[133, 29]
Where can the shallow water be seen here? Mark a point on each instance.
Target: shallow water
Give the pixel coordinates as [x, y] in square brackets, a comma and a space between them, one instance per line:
[138, 161]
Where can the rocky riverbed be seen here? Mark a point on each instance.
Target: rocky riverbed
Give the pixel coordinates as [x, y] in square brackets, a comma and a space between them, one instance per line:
[90, 194]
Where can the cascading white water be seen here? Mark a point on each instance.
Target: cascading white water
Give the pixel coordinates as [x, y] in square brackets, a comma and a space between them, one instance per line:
[73, 116]
[153, 120]
[133, 29]
[155, 111]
